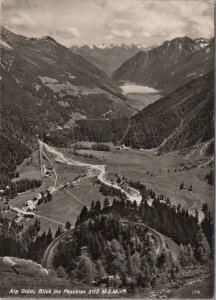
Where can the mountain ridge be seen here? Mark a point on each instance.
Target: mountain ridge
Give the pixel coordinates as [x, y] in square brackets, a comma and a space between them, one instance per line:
[57, 79]
[158, 68]
[109, 57]
[176, 121]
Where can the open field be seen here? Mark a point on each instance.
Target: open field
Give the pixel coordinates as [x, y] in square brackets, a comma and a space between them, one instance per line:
[65, 207]
[157, 172]
[30, 167]
[163, 173]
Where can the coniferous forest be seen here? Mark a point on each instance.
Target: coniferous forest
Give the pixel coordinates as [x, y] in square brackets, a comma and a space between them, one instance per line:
[107, 247]
[22, 242]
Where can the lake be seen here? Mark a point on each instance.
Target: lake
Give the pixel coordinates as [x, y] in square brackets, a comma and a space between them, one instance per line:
[132, 88]
[139, 96]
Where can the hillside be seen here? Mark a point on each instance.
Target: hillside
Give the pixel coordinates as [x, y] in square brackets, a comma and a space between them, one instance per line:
[44, 86]
[50, 81]
[168, 66]
[108, 57]
[176, 121]
[32, 278]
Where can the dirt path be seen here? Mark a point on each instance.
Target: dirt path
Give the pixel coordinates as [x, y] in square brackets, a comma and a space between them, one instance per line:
[100, 168]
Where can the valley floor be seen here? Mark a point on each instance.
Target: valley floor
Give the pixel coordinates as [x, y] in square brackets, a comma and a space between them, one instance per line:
[163, 173]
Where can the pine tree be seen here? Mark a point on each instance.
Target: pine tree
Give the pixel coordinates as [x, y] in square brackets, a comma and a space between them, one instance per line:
[67, 225]
[190, 254]
[136, 264]
[202, 250]
[100, 269]
[49, 237]
[130, 266]
[181, 255]
[61, 273]
[181, 186]
[106, 203]
[58, 232]
[85, 269]
[97, 207]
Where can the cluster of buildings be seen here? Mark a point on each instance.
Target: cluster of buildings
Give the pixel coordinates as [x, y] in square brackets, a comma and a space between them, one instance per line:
[45, 172]
[22, 213]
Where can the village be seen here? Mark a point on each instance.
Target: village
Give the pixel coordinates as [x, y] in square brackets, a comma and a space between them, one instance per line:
[29, 208]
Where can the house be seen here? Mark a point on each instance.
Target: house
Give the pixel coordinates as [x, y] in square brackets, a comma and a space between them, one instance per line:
[51, 189]
[38, 196]
[31, 205]
[29, 214]
[15, 209]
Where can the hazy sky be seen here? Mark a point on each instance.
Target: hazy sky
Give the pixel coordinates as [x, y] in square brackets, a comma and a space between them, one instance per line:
[109, 21]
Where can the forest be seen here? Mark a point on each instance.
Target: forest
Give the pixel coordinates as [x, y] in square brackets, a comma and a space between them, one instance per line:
[186, 115]
[103, 250]
[26, 243]
[171, 220]
[97, 147]
[92, 130]
[17, 140]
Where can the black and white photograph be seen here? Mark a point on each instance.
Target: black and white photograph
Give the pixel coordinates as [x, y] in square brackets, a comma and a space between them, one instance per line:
[107, 149]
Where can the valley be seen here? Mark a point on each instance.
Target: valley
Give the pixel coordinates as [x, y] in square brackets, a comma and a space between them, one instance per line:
[162, 173]
[107, 165]
[138, 96]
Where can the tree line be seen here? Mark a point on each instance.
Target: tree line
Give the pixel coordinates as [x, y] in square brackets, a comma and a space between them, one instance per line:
[97, 147]
[21, 186]
[171, 220]
[24, 243]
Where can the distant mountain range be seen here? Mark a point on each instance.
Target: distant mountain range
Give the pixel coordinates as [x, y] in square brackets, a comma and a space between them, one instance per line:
[46, 87]
[179, 120]
[44, 81]
[109, 57]
[169, 65]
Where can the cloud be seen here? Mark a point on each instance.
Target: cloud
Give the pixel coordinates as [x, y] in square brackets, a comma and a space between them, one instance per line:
[109, 37]
[21, 19]
[67, 32]
[121, 33]
[117, 21]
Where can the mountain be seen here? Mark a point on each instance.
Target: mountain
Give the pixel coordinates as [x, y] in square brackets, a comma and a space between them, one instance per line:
[176, 121]
[168, 66]
[108, 57]
[45, 87]
[202, 42]
[44, 81]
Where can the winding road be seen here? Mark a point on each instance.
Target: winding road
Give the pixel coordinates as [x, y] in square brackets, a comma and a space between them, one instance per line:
[48, 255]
[135, 196]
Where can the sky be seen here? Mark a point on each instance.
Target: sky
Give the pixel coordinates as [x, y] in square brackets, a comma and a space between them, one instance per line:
[78, 22]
